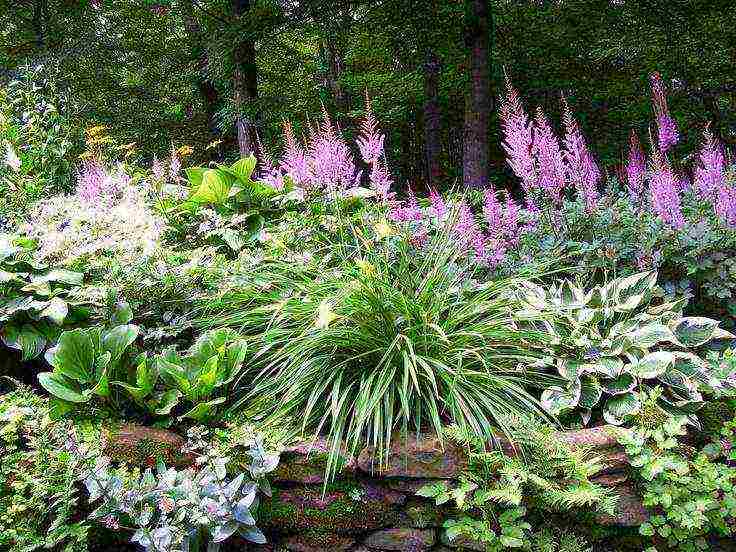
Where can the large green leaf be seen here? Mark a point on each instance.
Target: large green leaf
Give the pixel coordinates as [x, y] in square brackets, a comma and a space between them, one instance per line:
[74, 356]
[556, 400]
[215, 187]
[694, 331]
[652, 365]
[61, 387]
[118, 339]
[26, 339]
[620, 406]
[204, 411]
[243, 168]
[590, 392]
[163, 403]
[624, 383]
[56, 310]
[195, 175]
[60, 276]
[650, 334]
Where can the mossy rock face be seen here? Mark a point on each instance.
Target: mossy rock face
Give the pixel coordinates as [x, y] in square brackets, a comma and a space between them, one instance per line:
[316, 541]
[343, 509]
[142, 446]
[306, 463]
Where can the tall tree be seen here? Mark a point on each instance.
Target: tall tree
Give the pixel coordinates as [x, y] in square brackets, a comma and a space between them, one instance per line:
[245, 81]
[478, 102]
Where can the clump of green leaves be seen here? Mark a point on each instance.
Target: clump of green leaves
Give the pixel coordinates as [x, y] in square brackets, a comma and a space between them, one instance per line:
[613, 341]
[36, 300]
[494, 494]
[38, 491]
[691, 498]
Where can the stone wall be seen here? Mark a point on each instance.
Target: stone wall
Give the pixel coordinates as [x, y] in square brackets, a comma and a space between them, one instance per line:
[365, 510]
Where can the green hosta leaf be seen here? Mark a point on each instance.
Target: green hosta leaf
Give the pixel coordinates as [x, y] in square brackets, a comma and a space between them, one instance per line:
[625, 383]
[26, 339]
[607, 366]
[590, 392]
[61, 387]
[694, 331]
[117, 340]
[204, 411]
[37, 288]
[652, 365]
[254, 225]
[137, 393]
[629, 304]
[635, 285]
[163, 403]
[206, 380]
[195, 175]
[74, 356]
[102, 388]
[56, 311]
[556, 400]
[650, 334]
[173, 374]
[60, 276]
[215, 187]
[620, 406]
[243, 168]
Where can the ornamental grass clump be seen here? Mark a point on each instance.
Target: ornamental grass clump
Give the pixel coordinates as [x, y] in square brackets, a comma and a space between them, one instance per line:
[391, 339]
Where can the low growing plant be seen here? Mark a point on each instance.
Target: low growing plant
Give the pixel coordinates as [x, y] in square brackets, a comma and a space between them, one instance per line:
[612, 342]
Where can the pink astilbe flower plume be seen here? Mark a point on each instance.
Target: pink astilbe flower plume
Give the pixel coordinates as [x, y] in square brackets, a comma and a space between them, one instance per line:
[493, 213]
[408, 211]
[667, 133]
[710, 172]
[331, 163]
[295, 163]
[157, 169]
[438, 207]
[510, 221]
[664, 191]
[635, 168]
[550, 164]
[518, 139]
[582, 169]
[174, 163]
[370, 142]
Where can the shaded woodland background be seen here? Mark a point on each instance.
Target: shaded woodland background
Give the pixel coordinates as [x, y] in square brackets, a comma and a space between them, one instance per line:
[222, 75]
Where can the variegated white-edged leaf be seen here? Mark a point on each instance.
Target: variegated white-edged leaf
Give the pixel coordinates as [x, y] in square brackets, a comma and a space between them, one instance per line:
[618, 407]
[652, 365]
[694, 331]
[625, 383]
[650, 334]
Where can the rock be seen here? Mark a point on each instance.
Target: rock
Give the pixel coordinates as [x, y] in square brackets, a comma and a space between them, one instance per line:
[630, 512]
[409, 486]
[409, 540]
[610, 480]
[420, 514]
[144, 446]
[416, 457]
[343, 509]
[318, 542]
[305, 463]
[462, 542]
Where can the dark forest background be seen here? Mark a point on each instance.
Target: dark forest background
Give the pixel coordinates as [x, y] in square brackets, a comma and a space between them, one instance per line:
[225, 73]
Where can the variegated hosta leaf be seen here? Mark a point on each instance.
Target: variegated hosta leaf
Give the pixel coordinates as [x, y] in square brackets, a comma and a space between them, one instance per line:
[689, 364]
[607, 366]
[625, 383]
[629, 304]
[694, 331]
[618, 407]
[652, 365]
[622, 289]
[533, 295]
[671, 306]
[590, 392]
[649, 335]
[556, 400]
[571, 369]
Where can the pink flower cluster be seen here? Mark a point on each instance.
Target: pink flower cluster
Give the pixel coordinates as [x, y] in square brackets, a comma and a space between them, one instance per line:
[96, 185]
[667, 134]
[536, 157]
[324, 160]
[488, 247]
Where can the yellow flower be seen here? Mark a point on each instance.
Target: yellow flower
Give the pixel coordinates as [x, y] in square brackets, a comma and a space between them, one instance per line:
[365, 267]
[86, 155]
[383, 229]
[95, 130]
[213, 144]
[325, 315]
[185, 150]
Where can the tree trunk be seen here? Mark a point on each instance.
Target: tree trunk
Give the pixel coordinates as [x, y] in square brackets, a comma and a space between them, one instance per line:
[245, 86]
[39, 13]
[477, 111]
[205, 87]
[432, 122]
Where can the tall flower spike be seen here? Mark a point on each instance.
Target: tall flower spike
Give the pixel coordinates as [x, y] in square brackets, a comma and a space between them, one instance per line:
[550, 165]
[331, 163]
[710, 172]
[493, 213]
[370, 141]
[157, 169]
[664, 192]
[667, 133]
[518, 138]
[582, 169]
[174, 164]
[439, 209]
[635, 168]
[295, 163]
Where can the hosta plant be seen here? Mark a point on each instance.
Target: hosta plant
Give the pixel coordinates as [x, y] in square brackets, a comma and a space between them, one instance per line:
[613, 341]
[36, 300]
[201, 377]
